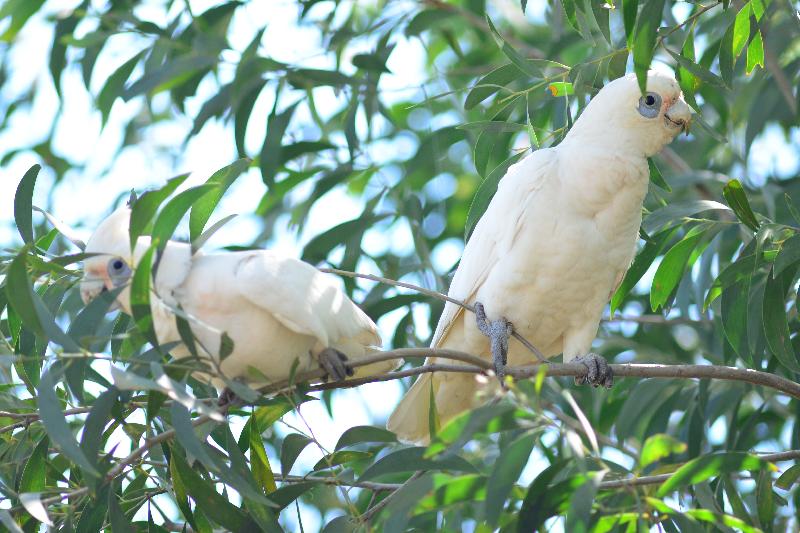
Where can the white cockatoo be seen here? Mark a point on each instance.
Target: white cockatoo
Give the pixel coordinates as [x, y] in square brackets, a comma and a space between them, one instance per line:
[275, 309]
[551, 248]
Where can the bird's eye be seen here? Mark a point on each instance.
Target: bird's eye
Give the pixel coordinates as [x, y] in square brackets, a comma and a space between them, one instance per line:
[117, 267]
[650, 105]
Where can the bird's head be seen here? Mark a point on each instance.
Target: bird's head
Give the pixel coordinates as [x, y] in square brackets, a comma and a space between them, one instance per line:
[620, 115]
[112, 266]
[115, 262]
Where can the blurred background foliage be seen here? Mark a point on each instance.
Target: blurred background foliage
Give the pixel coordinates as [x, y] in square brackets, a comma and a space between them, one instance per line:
[397, 127]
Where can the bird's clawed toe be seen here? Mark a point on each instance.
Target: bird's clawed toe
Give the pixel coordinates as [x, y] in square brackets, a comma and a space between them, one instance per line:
[598, 372]
[335, 365]
[498, 331]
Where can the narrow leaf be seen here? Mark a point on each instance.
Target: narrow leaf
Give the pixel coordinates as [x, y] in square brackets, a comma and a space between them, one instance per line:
[23, 203]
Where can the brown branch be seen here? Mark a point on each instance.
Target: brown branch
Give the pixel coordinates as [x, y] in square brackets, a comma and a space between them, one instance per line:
[480, 366]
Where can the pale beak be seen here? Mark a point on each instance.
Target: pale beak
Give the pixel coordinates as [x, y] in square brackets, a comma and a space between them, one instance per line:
[92, 286]
[679, 115]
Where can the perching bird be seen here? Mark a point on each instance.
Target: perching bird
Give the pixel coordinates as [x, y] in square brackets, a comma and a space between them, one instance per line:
[275, 309]
[551, 248]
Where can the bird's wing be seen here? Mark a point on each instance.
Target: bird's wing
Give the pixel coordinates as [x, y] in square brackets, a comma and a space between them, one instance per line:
[303, 299]
[494, 234]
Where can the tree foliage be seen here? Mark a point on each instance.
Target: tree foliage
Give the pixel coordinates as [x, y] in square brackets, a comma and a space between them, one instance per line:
[715, 281]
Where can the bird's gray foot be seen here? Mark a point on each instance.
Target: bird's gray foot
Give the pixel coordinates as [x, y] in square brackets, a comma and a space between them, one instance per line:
[334, 363]
[498, 331]
[229, 399]
[598, 372]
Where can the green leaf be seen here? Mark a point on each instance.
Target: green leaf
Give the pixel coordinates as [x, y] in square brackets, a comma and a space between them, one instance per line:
[737, 199]
[788, 255]
[145, 207]
[207, 234]
[655, 176]
[641, 264]
[373, 62]
[425, 20]
[413, 459]
[485, 193]
[601, 16]
[509, 51]
[115, 85]
[340, 458]
[34, 473]
[202, 208]
[571, 14]
[659, 446]
[259, 463]
[364, 434]
[710, 466]
[217, 508]
[170, 216]
[776, 326]
[6, 520]
[698, 71]
[789, 477]
[20, 11]
[67, 232]
[544, 500]
[293, 444]
[169, 75]
[507, 469]
[675, 262]
[755, 52]
[492, 83]
[765, 502]
[99, 416]
[119, 521]
[318, 248]
[741, 30]
[56, 424]
[727, 59]
[629, 10]
[271, 151]
[644, 41]
[20, 293]
[561, 88]
[140, 295]
[23, 203]
[675, 213]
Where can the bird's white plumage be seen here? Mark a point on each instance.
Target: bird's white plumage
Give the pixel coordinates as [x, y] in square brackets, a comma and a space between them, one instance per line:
[554, 242]
[276, 309]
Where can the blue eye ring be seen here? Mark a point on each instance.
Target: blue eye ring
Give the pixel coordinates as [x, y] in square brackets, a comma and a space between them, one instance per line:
[117, 267]
[650, 105]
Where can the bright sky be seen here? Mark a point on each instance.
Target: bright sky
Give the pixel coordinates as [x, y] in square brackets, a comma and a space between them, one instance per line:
[85, 197]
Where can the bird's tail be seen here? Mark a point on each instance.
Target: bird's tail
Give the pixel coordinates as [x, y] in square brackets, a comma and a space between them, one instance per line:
[453, 393]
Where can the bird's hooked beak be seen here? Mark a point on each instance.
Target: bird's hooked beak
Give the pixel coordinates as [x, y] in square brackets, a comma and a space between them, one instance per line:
[679, 115]
[94, 283]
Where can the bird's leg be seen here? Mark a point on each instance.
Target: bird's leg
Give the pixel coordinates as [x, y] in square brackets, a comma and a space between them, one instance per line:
[598, 373]
[334, 363]
[498, 331]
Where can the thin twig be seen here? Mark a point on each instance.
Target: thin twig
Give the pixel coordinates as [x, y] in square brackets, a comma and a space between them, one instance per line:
[375, 509]
[433, 294]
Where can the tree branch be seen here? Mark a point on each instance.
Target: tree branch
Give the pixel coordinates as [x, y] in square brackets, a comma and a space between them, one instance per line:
[477, 365]
[482, 366]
